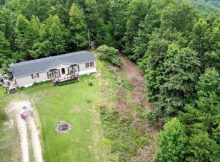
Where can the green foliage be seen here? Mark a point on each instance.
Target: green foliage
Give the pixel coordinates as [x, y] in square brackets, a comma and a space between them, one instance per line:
[118, 19]
[4, 49]
[202, 148]
[136, 12]
[150, 116]
[78, 27]
[201, 119]
[181, 70]
[125, 139]
[109, 54]
[178, 17]
[54, 34]
[172, 142]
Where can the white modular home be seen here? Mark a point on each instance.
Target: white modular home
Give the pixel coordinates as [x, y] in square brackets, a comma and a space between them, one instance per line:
[55, 68]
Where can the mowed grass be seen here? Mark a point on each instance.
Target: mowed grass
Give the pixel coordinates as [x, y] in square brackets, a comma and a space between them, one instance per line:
[75, 103]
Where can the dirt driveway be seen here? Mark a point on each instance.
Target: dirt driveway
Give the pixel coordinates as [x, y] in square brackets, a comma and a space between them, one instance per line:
[28, 130]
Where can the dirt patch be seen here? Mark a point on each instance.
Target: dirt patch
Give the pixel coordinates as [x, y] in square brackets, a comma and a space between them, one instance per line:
[137, 81]
[122, 101]
[25, 127]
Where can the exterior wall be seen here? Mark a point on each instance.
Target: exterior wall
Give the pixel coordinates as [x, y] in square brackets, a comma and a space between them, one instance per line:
[83, 70]
[27, 81]
[63, 66]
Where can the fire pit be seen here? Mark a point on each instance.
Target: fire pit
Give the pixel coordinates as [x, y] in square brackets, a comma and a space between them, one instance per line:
[63, 127]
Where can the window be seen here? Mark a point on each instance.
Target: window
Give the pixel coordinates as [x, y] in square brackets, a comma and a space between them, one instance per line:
[91, 64]
[87, 65]
[34, 76]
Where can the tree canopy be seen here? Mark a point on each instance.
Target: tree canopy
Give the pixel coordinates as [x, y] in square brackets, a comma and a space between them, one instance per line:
[176, 44]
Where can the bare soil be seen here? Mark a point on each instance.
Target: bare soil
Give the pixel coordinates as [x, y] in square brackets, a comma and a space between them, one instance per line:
[136, 79]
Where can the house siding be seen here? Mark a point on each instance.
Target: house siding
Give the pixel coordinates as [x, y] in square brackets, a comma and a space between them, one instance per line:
[27, 81]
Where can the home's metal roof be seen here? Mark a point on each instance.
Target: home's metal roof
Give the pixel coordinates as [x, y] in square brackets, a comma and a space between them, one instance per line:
[45, 64]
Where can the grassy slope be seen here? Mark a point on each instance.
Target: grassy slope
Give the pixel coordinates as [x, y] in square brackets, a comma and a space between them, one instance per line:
[124, 130]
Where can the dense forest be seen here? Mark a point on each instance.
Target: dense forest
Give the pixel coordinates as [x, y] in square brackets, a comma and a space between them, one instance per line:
[175, 44]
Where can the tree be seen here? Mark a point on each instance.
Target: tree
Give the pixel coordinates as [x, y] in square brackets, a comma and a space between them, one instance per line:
[181, 73]
[109, 54]
[172, 142]
[198, 41]
[209, 83]
[103, 33]
[78, 27]
[179, 16]
[201, 148]
[4, 49]
[202, 119]
[152, 64]
[146, 28]
[136, 13]
[212, 56]
[22, 40]
[54, 35]
[90, 9]
[118, 18]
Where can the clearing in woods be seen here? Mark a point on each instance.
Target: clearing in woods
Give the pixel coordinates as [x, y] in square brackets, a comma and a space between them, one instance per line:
[79, 104]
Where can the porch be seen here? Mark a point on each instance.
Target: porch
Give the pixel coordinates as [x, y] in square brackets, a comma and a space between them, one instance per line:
[62, 74]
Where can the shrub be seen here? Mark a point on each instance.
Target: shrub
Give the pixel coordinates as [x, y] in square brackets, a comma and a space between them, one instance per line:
[90, 83]
[150, 116]
[109, 54]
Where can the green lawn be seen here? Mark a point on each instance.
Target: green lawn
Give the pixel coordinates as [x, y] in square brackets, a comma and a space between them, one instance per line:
[77, 104]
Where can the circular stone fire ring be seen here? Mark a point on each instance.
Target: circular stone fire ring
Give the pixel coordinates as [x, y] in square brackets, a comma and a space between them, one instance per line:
[63, 127]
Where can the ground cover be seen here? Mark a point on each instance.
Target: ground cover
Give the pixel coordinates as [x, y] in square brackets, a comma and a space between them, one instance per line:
[9, 141]
[126, 127]
[74, 103]
[106, 114]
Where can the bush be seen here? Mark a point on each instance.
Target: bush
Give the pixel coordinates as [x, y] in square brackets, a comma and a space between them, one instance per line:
[150, 116]
[109, 54]
[90, 83]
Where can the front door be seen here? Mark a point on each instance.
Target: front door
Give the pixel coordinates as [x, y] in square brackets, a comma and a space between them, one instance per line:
[63, 71]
